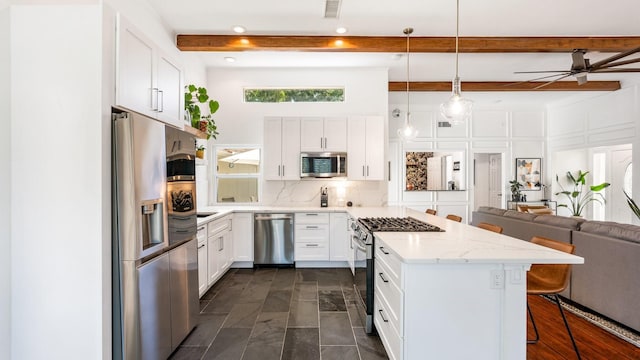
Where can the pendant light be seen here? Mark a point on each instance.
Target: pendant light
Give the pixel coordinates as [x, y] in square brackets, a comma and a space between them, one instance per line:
[407, 132]
[457, 109]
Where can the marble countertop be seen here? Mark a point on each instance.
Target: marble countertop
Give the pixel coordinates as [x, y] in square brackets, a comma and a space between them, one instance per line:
[459, 243]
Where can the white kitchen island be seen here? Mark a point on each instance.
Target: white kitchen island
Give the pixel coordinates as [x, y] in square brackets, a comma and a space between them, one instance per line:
[457, 294]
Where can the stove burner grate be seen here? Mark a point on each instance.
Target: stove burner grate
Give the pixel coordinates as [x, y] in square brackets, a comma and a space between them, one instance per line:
[395, 224]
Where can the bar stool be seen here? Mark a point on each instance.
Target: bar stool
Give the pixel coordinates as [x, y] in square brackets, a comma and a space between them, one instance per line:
[490, 227]
[430, 211]
[454, 217]
[550, 279]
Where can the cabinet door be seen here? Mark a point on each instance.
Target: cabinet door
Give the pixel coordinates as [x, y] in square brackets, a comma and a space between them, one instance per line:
[135, 68]
[335, 134]
[356, 148]
[242, 233]
[374, 149]
[290, 149]
[169, 92]
[213, 269]
[272, 148]
[339, 237]
[311, 134]
[203, 280]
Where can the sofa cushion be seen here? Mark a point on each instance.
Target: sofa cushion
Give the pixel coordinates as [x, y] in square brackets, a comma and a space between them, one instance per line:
[519, 215]
[612, 229]
[491, 210]
[560, 221]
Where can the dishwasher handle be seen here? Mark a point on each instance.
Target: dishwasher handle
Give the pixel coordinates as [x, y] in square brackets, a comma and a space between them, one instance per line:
[269, 217]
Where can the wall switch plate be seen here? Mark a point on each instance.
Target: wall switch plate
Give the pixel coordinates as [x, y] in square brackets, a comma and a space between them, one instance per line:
[497, 279]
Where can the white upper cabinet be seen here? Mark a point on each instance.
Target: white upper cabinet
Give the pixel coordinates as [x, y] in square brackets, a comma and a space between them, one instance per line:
[147, 81]
[323, 134]
[365, 148]
[281, 148]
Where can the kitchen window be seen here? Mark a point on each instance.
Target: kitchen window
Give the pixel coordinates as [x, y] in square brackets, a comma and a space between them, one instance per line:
[237, 174]
[291, 95]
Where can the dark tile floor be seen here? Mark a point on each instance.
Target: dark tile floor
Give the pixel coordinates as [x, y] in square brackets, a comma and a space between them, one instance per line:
[284, 314]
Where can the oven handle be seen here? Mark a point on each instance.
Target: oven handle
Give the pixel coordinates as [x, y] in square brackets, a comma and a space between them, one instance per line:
[358, 243]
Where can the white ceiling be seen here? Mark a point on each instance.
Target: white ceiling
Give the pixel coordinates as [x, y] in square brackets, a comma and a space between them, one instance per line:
[427, 17]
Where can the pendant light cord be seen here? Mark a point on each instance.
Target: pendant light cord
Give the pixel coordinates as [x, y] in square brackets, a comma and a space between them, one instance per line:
[457, 31]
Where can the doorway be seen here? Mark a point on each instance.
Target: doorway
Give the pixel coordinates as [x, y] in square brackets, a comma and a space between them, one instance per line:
[487, 180]
[621, 169]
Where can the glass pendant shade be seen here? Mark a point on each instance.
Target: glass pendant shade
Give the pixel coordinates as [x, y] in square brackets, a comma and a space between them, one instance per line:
[457, 109]
[407, 131]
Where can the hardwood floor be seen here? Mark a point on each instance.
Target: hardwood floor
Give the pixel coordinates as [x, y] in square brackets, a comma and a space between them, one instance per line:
[593, 342]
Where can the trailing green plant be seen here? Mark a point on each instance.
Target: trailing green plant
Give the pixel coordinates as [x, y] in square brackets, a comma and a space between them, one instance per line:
[193, 97]
[515, 187]
[632, 205]
[578, 197]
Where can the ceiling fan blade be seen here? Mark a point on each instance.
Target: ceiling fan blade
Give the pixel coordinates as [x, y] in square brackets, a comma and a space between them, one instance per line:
[551, 82]
[618, 63]
[615, 70]
[615, 57]
[539, 72]
[544, 77]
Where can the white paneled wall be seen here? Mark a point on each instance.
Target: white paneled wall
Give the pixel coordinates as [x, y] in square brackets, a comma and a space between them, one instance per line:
[513, 131]
[5, 183]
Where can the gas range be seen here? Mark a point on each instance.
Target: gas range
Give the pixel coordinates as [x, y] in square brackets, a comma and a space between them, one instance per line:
[366, 226]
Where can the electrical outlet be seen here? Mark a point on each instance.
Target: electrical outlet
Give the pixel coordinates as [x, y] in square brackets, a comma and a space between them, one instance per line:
[497, 279]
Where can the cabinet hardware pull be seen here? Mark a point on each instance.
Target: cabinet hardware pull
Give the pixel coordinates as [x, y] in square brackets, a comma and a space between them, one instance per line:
[312, 214]
[384, 251]
[311, 227]
[382, 277]
[201, 246]
[312, 245]
[282, 170]
[389, 170]
[362, 170]
[154, 107]
[382, 316]
[367, 170]
[161, 97]
[321, 145]
[278, 170]
[201, 228]
[221, 243]
[325, 143]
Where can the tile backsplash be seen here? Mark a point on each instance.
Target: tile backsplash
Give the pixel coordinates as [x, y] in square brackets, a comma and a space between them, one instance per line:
[307, 192]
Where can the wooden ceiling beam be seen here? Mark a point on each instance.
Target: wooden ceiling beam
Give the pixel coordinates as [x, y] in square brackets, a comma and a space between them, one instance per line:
[394, 44]
[506, 86]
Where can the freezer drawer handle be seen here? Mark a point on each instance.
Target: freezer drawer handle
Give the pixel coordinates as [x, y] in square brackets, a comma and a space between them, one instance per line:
[382, 316]
[382, 277]
[311, 227]
[312, 245]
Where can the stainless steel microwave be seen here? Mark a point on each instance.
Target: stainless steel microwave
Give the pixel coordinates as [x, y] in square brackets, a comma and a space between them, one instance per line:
[323, 165]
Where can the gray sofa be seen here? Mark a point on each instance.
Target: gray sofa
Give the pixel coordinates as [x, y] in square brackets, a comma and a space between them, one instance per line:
[609, 280]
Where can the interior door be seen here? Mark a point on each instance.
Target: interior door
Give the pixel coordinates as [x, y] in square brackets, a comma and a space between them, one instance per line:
[495, 180]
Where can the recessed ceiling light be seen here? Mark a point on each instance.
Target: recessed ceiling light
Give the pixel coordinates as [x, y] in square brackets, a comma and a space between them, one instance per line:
[239, 29]
[341, 30]
[229, 59]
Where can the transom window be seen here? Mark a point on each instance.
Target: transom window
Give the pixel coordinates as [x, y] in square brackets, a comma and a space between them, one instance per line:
[290, 95]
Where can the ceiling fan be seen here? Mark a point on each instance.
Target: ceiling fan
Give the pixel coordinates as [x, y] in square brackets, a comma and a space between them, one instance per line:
[580, 67]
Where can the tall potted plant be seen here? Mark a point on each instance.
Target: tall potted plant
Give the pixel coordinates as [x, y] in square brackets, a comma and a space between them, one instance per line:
[578, 197]
[193, 97]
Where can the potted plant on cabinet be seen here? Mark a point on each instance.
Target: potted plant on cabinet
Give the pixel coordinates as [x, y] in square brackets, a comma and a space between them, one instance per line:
[193, 97]
[515, 187]
[578, 197]
[200, 151]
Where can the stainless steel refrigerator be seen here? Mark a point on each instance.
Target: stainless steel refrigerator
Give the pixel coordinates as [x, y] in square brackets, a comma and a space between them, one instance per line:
[155, 275]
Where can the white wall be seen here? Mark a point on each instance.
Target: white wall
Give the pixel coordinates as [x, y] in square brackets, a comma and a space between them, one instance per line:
[605, 120]
[242, 123]
[56, 163]
[5, 183]
[513, 129]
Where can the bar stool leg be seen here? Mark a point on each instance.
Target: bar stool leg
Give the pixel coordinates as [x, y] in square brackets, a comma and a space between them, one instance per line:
[566, 324]
[535, 328]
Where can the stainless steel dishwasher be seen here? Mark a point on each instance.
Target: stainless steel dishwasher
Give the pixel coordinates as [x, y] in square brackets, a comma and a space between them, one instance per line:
[273, 239]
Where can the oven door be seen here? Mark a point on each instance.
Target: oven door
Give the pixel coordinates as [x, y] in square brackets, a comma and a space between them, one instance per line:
[363, 278]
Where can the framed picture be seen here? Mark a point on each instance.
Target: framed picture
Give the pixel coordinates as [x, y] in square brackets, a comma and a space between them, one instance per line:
[529, 173]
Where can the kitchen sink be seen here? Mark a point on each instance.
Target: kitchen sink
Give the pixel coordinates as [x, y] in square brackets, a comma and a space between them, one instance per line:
[205, 214]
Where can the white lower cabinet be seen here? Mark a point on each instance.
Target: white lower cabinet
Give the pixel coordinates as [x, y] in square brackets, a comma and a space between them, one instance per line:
[339, 237]
[215, 252]
[202, 260]
[311, 237]
[388, 301]
[242, 236]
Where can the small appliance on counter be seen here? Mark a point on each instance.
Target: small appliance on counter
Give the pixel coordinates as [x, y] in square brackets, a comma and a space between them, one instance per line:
[324, 197]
